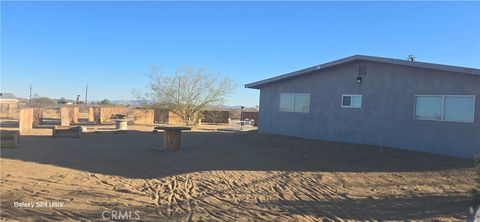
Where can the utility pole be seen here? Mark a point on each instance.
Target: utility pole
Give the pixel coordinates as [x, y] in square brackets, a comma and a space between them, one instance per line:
[30, 93]
[86, 93]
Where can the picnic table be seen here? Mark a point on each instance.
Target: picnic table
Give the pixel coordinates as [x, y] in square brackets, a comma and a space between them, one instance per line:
[172, 136]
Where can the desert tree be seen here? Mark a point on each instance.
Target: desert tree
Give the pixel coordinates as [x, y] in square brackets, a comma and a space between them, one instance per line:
[188, 90]
[41, 101]
[105, 102]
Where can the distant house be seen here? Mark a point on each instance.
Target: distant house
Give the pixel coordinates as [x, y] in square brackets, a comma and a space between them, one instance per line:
[8, 101]
[64, 102]
[379, 101]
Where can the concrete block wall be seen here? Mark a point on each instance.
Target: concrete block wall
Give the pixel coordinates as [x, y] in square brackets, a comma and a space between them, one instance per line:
[168, 117]
[143, 116]
[174, 118]
[106, 113]
[251, 115]
[74, 114]
[62, 131]
[9, 111]
[91, 115]
[25, 122]
[65, 113]
[51, 113]
[214, 116]
[37, 116]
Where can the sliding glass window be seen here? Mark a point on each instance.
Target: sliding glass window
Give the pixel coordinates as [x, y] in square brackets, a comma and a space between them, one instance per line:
[456, 108]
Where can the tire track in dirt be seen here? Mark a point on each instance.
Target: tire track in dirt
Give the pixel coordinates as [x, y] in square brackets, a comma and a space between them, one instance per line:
[172, 195]
[280, 192]
[322, 193]
[180, 195]
[231, 188]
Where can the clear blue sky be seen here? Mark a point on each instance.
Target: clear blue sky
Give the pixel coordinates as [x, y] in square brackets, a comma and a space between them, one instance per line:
[58, 47]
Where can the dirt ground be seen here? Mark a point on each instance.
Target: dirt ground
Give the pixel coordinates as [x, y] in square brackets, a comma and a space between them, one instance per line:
[226, 176]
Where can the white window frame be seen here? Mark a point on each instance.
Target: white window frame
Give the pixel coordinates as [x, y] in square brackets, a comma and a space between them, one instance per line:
[345, 95]
[293, 102]
[442, 119]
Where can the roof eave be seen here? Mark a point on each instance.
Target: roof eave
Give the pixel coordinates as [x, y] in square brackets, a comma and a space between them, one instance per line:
[458, 69]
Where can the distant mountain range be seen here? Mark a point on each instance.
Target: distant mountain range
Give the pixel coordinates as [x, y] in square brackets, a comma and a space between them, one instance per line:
[140, 103]
[127, 102]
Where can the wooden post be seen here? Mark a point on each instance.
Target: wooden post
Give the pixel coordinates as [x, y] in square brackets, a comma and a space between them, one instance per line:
[91, 117]
[65, 116]
[25, 121]
[172, 139]
[172, 136]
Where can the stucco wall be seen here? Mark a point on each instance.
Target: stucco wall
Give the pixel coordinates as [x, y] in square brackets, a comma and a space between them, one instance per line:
[386, 116]
[65, 116]
[37, 116]
[168, 117]
[143, 116]
[25, 120]
[106, 113]
[214, 116]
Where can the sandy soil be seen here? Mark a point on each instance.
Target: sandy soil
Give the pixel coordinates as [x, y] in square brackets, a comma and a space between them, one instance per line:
[227, 176]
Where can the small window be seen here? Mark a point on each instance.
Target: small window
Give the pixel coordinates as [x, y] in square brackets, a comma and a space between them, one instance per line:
[294, 102]
[445, 108]
[352, 101]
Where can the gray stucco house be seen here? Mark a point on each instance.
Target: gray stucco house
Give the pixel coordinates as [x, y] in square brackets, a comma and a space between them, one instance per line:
[379, 101]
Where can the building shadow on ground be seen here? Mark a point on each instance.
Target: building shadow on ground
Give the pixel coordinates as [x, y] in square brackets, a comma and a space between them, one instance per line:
[7, 123]
[132, 154]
